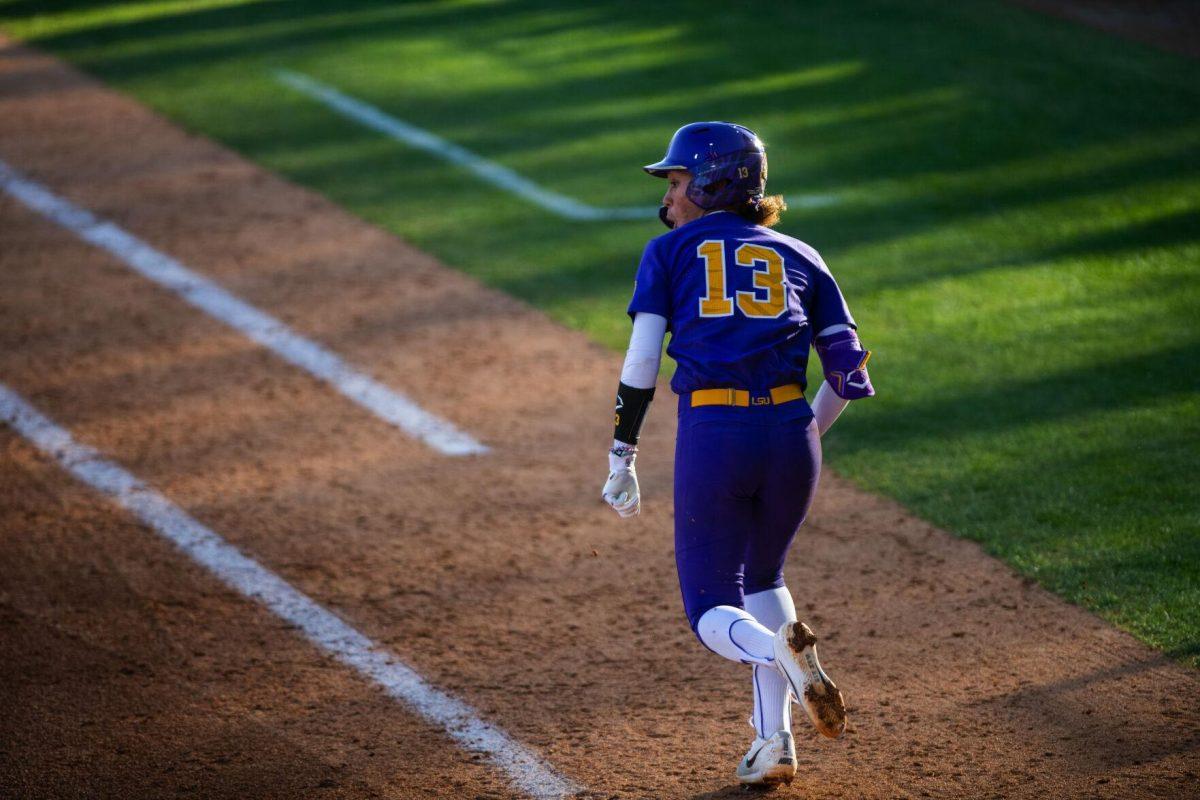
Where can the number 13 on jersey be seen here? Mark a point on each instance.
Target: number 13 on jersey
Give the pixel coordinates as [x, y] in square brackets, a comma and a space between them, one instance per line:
[768, 278]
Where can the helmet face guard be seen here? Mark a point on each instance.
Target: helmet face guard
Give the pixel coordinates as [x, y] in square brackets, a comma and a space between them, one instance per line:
[727, 162]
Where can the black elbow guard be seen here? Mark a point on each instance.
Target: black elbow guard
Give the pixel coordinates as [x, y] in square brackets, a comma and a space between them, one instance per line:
[632, 405]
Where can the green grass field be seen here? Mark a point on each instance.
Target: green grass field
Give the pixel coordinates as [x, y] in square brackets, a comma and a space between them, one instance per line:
[1016, 225]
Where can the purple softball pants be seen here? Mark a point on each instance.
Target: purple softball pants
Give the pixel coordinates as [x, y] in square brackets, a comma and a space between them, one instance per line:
[744, 481]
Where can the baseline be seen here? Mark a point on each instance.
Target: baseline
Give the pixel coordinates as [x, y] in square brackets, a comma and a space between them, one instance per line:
[387, 404]
[526, 771]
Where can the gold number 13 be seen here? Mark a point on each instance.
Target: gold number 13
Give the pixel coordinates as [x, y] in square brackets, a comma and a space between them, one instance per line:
[768, 275]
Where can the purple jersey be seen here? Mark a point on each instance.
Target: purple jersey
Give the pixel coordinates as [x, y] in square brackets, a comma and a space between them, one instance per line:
[742, 302]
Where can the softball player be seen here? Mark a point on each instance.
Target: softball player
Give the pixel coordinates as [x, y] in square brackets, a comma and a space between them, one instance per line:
[743, 304]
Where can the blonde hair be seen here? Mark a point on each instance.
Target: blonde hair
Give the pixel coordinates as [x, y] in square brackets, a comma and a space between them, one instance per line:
[766, 212]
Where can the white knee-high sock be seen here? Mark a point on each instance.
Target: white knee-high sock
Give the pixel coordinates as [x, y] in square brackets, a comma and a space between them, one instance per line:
[734, 634]
[772, 696]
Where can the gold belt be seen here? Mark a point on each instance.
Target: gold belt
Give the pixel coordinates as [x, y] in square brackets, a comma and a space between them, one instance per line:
[740, 397]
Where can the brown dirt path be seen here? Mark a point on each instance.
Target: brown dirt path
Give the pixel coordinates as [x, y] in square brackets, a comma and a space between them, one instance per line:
[501, 578]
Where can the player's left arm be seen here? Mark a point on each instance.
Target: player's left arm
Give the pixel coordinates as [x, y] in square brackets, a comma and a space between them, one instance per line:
[844, 362]
[634, 393]
[843, 358]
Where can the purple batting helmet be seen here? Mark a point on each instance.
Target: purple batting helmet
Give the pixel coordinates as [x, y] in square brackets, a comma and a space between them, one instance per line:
[727, 162]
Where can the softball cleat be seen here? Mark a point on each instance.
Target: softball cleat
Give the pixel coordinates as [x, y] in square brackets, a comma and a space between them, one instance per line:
[795, 648]
[769, 762]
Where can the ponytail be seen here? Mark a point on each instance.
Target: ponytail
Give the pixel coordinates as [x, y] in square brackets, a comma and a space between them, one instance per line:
[765, 212]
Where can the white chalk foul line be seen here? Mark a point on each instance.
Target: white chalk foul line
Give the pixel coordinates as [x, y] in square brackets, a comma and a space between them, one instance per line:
[524, 769]
[489, 171]
[387, 404]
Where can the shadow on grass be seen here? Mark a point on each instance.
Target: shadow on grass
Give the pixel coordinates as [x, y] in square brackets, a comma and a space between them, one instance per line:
[992, 409]
[1170, 230]
[867, 104]
[1189, 651]
[702, 68]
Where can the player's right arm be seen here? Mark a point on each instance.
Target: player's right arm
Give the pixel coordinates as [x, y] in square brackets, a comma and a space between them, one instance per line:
[634, 393]
[650, 310]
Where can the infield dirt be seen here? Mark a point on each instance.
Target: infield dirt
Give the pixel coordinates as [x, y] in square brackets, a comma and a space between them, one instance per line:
[129, 672]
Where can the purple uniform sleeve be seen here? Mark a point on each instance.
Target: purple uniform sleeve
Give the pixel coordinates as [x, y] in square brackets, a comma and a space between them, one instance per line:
[827, 306]
[845, 365]
[842, 357]
[651, 288]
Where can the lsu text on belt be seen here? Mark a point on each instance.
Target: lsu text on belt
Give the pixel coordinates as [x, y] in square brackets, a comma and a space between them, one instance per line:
[743, 399]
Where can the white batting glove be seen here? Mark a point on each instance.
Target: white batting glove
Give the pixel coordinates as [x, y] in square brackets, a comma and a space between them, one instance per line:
[621, 489]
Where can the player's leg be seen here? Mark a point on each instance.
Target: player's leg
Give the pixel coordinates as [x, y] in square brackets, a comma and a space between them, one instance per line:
[788, 488]
[772, 695]
[768, 600]
[787, 493]
[717, 469]
[731, 632]
[771, 719]
[792, 469]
